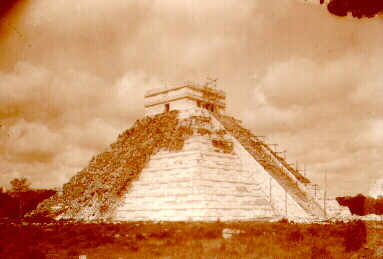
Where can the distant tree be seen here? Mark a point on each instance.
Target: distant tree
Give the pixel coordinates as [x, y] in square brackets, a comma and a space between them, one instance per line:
[379, 206]
[358, 8]
[20, 185]
[30, 199]
[17, 204]
[362, 205]
[356, 204]
[9, 206]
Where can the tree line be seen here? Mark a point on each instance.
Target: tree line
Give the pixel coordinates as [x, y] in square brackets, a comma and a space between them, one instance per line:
[362, 205]
[21, 198]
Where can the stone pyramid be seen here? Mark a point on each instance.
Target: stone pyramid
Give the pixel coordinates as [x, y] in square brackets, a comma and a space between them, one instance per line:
[188, 161]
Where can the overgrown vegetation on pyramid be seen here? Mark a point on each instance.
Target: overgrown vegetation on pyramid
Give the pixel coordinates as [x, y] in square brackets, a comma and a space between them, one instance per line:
[95, 191]
[96, 188]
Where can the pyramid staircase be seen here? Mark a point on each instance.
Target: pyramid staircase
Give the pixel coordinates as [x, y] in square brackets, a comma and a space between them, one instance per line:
[291, 180]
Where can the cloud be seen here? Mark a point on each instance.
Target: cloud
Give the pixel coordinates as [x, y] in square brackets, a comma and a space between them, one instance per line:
[325, 114]
[52, 122]
[376, 190]
[306, 83]
[31, 142]
[38, 94]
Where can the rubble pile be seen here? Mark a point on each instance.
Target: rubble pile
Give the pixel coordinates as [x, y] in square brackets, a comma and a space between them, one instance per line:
[221, 143]
[201, 121]
[227, 146]
[94, 191]
[204, 131]
[204, 127]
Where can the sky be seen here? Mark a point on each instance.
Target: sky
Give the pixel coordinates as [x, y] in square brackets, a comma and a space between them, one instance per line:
[73, 75]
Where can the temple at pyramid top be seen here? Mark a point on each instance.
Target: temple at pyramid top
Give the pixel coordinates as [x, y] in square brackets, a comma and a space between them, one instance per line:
[184, 97]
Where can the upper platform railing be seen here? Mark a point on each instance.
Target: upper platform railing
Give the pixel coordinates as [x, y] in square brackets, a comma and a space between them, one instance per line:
[201, 88]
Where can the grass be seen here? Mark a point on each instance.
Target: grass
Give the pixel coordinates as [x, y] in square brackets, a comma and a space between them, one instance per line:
[185, 240]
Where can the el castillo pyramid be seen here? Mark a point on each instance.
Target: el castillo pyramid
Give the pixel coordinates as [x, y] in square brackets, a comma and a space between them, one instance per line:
[186, 160]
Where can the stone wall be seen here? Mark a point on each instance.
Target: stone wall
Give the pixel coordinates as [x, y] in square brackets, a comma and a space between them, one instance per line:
[181, 92]
[282, 203]
[194, 184]
[181, 105]
[153, 110]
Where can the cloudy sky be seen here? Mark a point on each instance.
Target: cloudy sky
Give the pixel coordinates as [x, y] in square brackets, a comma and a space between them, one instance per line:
[73, 75]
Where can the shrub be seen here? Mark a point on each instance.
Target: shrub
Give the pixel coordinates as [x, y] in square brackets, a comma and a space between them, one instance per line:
[212, 234]
[355, 204]
[314, 231]
[295, 236]
[320, 253]
[355, 236]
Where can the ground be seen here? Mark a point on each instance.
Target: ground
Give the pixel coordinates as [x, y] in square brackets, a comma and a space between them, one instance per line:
[191, 240]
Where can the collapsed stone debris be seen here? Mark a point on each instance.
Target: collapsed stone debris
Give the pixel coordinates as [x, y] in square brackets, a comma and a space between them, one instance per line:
[96, 188]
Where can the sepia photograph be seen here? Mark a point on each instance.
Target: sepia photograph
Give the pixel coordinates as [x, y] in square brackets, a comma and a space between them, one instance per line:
[191, 129]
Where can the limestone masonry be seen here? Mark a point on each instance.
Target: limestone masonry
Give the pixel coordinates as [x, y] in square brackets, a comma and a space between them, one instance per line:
[188, 161]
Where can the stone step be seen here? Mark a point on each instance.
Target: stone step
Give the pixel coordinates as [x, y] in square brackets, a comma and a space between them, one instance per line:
[193, 204]
[244, 137]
